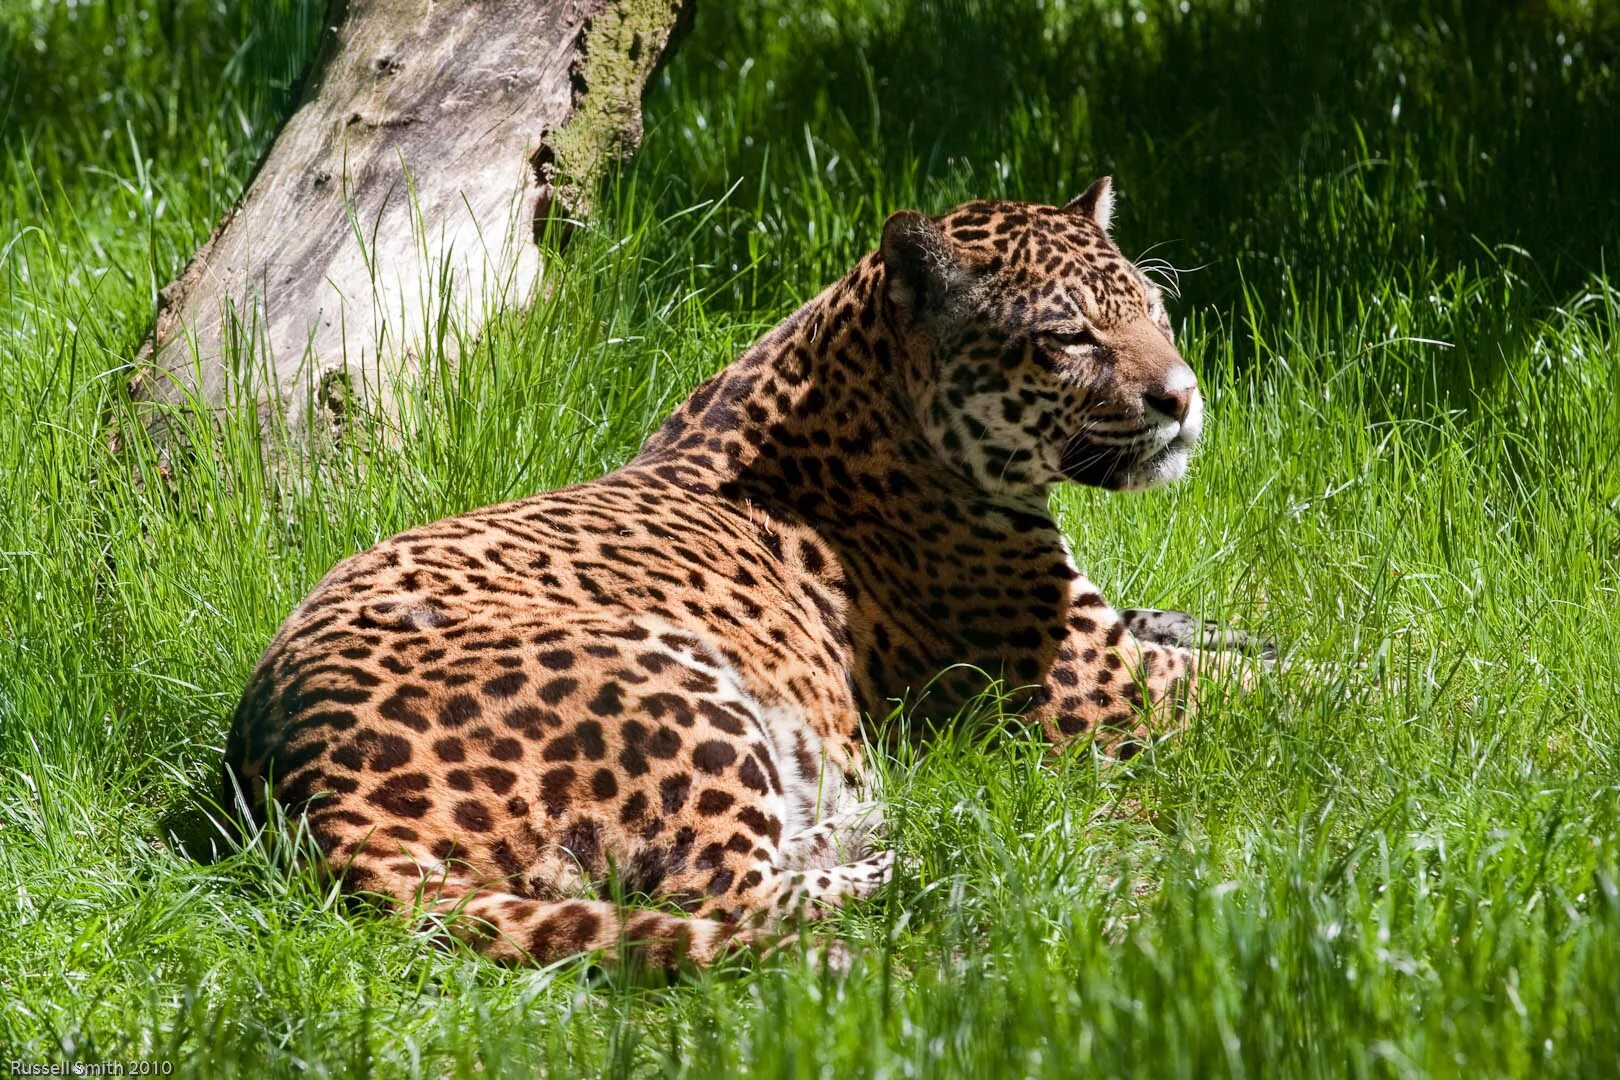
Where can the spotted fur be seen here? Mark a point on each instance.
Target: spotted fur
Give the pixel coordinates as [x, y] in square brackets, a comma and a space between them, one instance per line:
[653, 685]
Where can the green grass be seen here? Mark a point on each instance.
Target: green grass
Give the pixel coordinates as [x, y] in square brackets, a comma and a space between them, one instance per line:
[1396, 221]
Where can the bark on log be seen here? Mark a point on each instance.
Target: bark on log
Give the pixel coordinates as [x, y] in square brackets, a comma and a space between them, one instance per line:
[432, 142]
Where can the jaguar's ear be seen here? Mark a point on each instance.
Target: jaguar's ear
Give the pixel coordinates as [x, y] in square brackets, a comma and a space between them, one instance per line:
[921, 262]
[1096, 202]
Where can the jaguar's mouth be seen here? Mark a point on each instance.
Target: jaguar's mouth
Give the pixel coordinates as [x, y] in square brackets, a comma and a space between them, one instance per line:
[1165, 466]
[1130, 468]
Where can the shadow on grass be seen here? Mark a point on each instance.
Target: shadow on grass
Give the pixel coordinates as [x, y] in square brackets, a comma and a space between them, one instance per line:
[199, 52]
[193, 827]
[1299, 151]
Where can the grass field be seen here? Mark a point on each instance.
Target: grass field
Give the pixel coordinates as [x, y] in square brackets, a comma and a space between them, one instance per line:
[1397, 224]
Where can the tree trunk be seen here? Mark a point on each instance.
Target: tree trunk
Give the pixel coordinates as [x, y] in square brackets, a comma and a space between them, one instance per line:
[433, 142]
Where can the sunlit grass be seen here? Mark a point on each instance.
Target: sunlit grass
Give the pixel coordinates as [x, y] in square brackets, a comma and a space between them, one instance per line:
[1402, 860]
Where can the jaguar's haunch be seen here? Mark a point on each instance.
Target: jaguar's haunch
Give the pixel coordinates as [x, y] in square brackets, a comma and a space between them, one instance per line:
[653, 684]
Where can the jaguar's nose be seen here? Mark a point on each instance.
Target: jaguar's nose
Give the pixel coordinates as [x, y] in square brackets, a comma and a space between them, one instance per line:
[1174, 403]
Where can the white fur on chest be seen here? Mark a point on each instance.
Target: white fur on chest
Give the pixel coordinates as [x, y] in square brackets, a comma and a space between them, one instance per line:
[811, 776]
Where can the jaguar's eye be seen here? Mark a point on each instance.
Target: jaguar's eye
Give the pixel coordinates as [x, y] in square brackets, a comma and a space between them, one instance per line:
[1072, 339]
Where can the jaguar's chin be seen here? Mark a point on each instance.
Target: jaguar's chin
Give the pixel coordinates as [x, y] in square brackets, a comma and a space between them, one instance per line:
[1165, 467]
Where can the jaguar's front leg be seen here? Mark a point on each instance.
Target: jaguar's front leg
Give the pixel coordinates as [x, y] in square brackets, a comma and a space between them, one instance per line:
[1124, 689]
[1179, 629]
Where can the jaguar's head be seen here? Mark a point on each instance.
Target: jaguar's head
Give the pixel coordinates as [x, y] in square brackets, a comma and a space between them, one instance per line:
[1038, 353]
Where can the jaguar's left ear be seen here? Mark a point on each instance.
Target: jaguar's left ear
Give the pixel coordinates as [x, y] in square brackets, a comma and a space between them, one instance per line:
[1096, 202]
[923, 265]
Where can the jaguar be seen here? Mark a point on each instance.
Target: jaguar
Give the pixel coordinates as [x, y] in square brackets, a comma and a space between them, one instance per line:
[634, 716]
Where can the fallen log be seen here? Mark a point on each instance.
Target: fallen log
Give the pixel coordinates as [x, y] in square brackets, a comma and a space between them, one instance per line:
[432, 145]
